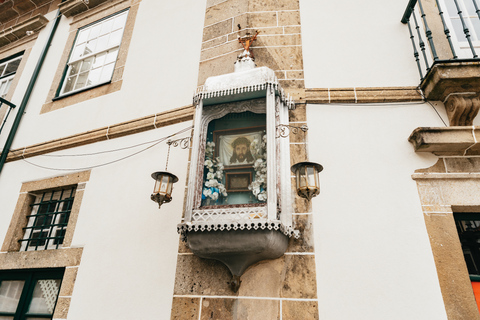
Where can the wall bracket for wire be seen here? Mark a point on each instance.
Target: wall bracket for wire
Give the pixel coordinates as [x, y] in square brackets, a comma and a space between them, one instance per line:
[283, 130]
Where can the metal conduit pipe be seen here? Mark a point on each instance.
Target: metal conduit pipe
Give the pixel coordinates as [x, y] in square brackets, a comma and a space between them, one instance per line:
[28, 92]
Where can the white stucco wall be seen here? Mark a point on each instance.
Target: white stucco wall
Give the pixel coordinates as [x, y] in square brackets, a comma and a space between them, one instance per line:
[373, 256]
[356, 44]
[128, 265]
[160, 74]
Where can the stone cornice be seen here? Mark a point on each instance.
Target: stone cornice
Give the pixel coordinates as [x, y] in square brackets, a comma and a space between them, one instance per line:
[362, 95]
[445, 141]
[114, 131]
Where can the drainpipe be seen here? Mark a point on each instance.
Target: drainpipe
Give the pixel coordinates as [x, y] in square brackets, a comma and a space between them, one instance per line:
[26, 97]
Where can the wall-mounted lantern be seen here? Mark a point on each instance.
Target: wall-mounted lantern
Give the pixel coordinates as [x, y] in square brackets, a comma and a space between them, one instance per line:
[308, 185]
[162, 192]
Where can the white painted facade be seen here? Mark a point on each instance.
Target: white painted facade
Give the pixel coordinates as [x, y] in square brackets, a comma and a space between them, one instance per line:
[373, 256]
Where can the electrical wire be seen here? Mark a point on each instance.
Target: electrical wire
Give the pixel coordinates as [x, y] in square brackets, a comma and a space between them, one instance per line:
[420, 91]
[105, 151]
[156, 142]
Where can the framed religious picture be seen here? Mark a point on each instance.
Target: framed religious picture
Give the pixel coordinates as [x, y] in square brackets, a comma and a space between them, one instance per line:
[238, 181]
[238, 148]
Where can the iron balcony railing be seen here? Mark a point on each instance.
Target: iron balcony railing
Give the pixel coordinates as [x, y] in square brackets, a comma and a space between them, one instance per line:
[451, 28]
[10, 107]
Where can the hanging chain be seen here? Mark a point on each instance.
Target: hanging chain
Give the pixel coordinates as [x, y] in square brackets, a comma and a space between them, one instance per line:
[168, 155]
[184, 143]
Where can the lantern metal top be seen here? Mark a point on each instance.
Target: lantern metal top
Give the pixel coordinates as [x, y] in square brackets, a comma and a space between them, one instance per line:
[317, 166]
[156, 175]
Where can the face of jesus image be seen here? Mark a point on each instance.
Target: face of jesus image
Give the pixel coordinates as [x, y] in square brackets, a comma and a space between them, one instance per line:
[241, 151]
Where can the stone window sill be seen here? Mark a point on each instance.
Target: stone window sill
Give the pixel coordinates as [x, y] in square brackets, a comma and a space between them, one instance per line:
[448, 141]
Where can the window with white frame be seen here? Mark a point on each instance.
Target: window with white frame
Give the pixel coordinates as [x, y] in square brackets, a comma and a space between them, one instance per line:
[48, 220]
[466, 10]
[8, 68]
[94, 53]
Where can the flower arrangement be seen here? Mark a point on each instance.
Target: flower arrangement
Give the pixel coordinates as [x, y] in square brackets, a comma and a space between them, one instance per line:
[213, 186]
[259, 185]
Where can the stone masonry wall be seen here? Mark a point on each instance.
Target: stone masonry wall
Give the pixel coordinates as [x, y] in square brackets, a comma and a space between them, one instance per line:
[278, 45]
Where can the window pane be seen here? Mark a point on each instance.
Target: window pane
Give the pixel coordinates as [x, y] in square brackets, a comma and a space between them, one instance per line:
[69, 84]
[77, 52]
[99, 60]
[12, 66]
[102, 43]
[3, 86]
[82, 35]
[106, 26]
[7, 86]
[90, 47]
[74, 68]
[2, 67]
[476, 28]
[115, 38]
[119, 21]
[38, 239]
[10, 292]
[94, 76]
[87, 63]
[458, 28]
[94, 31]
[470, 8]
[451, 8]
[111, 56]
[44, 296]
[81, 81]
[107, 72]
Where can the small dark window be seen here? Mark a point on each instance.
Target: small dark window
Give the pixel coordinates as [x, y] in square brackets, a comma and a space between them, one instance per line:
[468, 227]
[48, 220]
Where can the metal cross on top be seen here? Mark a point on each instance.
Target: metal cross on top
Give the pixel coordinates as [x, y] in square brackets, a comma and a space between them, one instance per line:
[247, 41]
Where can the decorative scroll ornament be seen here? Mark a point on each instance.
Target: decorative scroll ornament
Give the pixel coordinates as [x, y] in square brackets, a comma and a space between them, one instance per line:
[462, 108]
[184, 143]
[283, 130]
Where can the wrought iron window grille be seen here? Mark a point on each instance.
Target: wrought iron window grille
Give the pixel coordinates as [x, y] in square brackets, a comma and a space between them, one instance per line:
[47, 223]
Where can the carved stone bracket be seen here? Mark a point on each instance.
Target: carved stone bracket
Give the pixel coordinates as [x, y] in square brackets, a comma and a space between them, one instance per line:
[462, 108]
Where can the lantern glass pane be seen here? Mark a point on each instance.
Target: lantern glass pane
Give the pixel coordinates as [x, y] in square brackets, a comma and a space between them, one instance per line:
[156, 187]
[301, 178]
[311, 176]
[164, 184]
[170, 185]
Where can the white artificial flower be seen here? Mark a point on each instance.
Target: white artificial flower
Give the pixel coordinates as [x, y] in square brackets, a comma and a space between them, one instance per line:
[214, 196]
[262, 196]
[210, 175]
[208, 163]
[207, 192]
